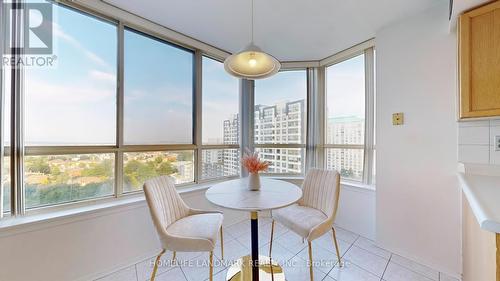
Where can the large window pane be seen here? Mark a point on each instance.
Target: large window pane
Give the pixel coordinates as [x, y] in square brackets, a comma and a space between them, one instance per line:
[74, 102]
[141, 166]
[218, 163]
[349, 162]
[220, 104]
[280, 108]
[346, 102]
[283, 160]
[56, 179]
[158, 91]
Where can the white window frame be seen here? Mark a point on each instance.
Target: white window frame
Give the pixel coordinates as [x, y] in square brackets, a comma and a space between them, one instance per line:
[301, 146]
[368, 49]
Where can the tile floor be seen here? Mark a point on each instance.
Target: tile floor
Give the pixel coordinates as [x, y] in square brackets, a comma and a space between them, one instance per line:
[363, 260]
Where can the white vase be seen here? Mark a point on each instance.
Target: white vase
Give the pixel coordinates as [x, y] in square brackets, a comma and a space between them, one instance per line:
[254, 181]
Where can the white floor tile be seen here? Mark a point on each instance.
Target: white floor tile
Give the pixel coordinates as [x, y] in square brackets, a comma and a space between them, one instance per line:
[233, 250]
[444, 277]
[345, 235]
[323, 259]
[371, 247]
[238, 229]
[422, 269]
[291, 241]
[127, 274]
[326, 242]
[145, 268]
[279, 253]
[352, 272]
[297, 269]
[366, 260]
[396, 272]
[171, 275]
[199, 268]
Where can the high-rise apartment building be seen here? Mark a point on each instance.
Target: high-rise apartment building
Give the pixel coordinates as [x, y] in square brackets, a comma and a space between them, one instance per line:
[346, 130]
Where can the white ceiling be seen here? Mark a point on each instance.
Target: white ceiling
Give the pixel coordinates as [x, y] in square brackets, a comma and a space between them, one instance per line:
[291, 30]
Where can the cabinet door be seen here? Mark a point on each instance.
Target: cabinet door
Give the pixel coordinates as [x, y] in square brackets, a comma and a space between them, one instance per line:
[479, 62]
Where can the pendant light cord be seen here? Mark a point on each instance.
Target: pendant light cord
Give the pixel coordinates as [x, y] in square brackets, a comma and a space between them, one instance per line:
[252, 23]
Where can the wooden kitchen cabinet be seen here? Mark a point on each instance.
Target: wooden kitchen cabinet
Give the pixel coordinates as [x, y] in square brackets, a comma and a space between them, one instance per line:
[479, 61]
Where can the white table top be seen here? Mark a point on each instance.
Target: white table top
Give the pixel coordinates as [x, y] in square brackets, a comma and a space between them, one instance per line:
[483, 194]
[234, 194]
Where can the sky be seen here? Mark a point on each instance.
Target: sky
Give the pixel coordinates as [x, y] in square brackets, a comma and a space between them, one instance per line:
[74, 103]
[345, 88]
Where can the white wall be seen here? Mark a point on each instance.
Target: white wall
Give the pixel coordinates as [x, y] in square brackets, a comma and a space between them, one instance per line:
[418, 198]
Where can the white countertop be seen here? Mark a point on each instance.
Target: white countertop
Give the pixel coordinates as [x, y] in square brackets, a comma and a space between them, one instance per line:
[483, 194]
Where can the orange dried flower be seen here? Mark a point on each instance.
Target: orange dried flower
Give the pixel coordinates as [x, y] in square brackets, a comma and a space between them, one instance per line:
[253, 163]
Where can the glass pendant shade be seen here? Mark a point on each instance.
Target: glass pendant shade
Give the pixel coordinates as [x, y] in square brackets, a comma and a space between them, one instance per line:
[251, 63]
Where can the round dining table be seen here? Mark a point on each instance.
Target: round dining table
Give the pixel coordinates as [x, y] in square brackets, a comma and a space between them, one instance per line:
[235, 195]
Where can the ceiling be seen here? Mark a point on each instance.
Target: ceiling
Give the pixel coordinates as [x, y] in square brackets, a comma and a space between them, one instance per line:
[291, 30]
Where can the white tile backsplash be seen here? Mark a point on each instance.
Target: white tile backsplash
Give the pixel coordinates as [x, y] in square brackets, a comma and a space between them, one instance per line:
[476, 154]
[474, 135]
[476, 142]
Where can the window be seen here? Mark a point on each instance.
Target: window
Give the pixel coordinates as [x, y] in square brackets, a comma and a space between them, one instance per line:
[72, 107]
[280, 121]
[220, 104]
[69, 105]
[346, 127]
[158, 82]
[141, 166]
[220, 155]
[56, 179]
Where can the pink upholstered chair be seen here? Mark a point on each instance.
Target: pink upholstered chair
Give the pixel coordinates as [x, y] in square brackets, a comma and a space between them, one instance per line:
[179, 227]
[314, 214]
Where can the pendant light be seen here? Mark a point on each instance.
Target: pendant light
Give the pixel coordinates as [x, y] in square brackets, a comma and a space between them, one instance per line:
[251, 62]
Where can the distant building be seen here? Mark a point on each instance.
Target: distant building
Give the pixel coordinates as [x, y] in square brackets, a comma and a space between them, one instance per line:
[282, 123]
[223, 162]
[346, 130]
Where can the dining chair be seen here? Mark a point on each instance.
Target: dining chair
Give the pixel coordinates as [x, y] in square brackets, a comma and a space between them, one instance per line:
[181, 228]
[314, 214]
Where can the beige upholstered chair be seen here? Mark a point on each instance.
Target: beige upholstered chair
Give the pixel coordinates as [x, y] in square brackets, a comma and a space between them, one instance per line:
[179, 227]
[315, 213]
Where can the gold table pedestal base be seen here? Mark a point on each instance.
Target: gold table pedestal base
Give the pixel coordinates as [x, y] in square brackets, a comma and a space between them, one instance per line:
[268, 270]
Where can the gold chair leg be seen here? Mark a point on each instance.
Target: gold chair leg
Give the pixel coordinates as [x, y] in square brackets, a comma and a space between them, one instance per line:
[337, 247]
[310, 260]
[173, 256]
[271, 242]
[155, 268]
[221, 243]
[211, 278]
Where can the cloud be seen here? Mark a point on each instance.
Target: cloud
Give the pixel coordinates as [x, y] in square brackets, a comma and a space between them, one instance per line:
[59, 33]
[103, 76]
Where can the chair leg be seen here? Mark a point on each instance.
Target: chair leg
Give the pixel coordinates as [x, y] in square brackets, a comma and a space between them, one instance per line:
[221, 243]
[211, 278]
[271, 242]
[155, 268]
[173, 257]
[310, 261]
[337, 247]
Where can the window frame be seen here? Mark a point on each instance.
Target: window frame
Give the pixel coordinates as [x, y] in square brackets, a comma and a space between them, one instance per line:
[301, 146]
[199, 122]
[368, 50]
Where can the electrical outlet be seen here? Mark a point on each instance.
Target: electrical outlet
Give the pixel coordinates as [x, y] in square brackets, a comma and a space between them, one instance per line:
[397, 118]
[497, 143]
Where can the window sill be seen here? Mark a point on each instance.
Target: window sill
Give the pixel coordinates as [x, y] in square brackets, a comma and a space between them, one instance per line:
[57, 215]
